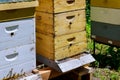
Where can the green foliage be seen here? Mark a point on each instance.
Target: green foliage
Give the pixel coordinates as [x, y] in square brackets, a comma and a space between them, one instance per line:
[106, 56]
[106, 74]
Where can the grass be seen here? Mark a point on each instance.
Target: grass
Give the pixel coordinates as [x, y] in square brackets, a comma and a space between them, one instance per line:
[106, 74]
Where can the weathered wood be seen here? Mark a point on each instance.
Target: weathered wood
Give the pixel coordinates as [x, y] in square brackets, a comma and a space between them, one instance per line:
[44, 45]
[8, 15]
[60, 47]
[105, 15]
[83, 73]
[56, 6]
[44, 22]
[44, 72]
[18, 5]
[106, 3]
[59, 24]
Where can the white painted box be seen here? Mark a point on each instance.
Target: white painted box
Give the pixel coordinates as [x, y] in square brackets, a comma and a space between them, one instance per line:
[105, 15]
[16, 33]
[21, 68]
[17, 55]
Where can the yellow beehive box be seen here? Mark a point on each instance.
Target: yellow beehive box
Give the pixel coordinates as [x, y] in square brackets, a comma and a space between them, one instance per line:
[56, 6]
[106, 3]
[62, 23]
[59, 47]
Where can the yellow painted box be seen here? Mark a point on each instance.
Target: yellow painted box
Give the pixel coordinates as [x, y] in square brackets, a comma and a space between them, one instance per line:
[62, 23]
[18, 5]
[60, 47]
[56, 6]
[106, 3]
[15, 14]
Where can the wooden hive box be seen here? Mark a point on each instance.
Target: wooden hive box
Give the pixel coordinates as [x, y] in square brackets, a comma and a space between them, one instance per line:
[16, 33]
[59, 47]
[56, 6]
[106, 3]
[62, 23]
[105, 21]
[60, 28]
[18, 5]
[17, 61]
[7, 15]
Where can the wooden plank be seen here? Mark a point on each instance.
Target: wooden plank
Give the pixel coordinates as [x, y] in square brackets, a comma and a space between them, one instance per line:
[76, 74]
[83, 73]
[63, 23]
[56, 6]
[106, 3]
[105, 15]
[8, 15]
[70, 50]
[44, 72]
[18, 5]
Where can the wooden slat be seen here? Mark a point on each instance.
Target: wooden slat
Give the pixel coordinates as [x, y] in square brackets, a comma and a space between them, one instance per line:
[105, 15]
[18, 5]
[106, 3]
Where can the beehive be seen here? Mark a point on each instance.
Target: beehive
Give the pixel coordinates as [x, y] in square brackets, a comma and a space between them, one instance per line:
[105, 21]
[60, 28]
[17, 33]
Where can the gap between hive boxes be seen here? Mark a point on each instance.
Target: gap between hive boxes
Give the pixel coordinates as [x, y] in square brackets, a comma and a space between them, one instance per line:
[66, 64]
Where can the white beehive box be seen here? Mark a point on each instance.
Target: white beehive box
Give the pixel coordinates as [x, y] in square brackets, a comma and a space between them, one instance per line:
[17, 55]
[9, 71]
[17, 59]
[15, 33]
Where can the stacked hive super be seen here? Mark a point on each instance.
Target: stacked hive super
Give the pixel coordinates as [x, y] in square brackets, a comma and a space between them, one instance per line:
[105, 15]
[17, 38]
[60, 28]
